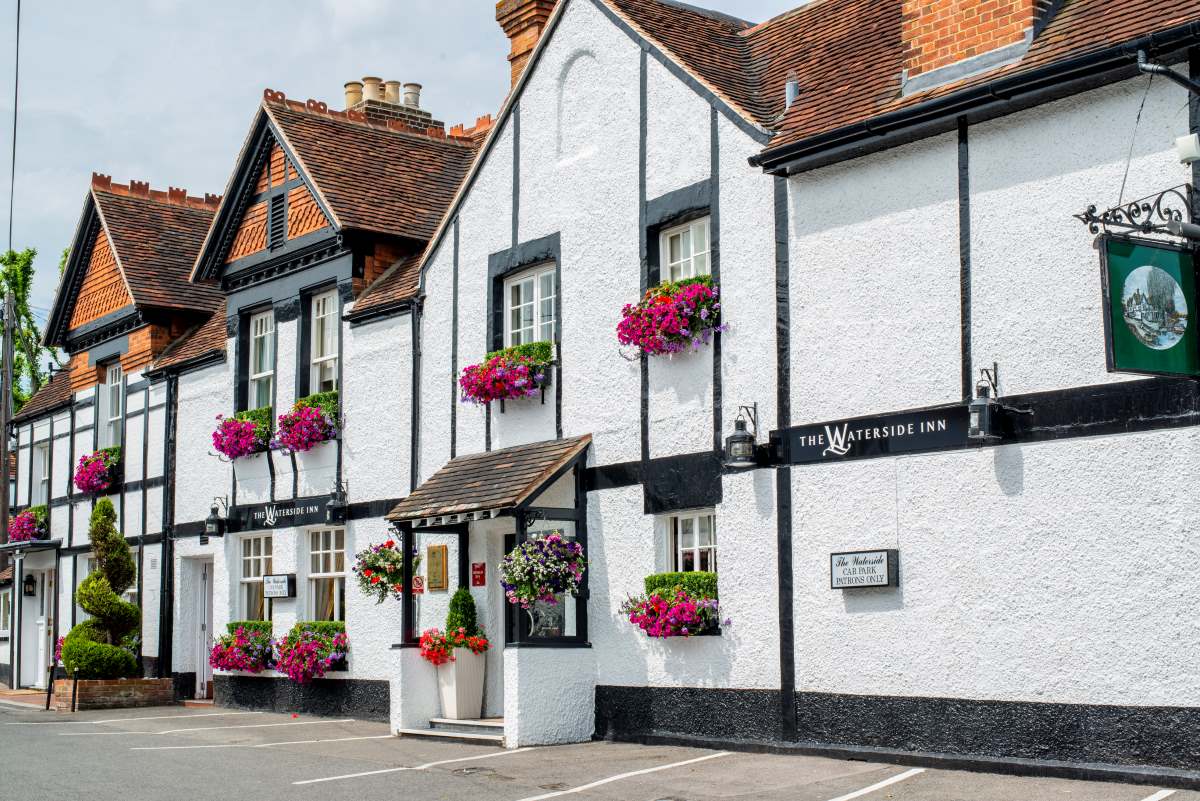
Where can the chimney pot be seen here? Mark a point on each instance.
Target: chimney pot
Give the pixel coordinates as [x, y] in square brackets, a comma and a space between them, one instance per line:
[354, 93]
[412, 95]
[391, 92]
[372, 88]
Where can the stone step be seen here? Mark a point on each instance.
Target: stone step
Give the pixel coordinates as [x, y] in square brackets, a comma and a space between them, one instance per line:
[490, 726]
[482, 735]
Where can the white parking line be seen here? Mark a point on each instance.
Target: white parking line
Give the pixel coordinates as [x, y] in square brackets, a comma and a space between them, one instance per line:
[204, 728]
[426, 766]
[122, 720]
[256, 745]
[1159, 796]
[899, 777]
[628, 775]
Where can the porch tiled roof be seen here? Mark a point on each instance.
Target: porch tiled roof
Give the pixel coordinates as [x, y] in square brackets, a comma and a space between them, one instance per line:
[54, 393]
[200, 341]
[493, 480]
[398, 283]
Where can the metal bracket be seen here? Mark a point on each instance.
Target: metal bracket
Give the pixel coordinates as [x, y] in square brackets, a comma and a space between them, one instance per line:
[1154, 214]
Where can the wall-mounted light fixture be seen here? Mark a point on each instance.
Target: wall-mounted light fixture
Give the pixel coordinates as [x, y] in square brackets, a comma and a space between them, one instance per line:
[214, 524]
[740, 446]
[29, 585]
[983, 426]
[335, 507]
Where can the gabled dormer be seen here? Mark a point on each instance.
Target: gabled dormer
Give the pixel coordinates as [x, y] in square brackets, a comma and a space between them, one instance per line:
[125, 292]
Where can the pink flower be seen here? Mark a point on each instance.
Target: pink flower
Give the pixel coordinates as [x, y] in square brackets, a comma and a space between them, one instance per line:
[671, 317]
[25, 526]
[96, 471]
[234, 438]
[502, 377]
[304, 428]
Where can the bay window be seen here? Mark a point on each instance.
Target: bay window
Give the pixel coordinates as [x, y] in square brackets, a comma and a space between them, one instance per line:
[256, 563]
[529, 306]
[327, 574]
[323, 342]
[684, 250]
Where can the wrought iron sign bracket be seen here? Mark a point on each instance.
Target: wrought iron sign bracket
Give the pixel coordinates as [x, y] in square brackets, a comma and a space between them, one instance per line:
[1168, 212]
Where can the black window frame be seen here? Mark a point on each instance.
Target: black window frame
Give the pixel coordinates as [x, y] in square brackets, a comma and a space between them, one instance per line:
[244, 346]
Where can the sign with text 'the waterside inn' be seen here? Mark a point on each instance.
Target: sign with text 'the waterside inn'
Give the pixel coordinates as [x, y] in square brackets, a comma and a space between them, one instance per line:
[1149, 306]
[886, 435]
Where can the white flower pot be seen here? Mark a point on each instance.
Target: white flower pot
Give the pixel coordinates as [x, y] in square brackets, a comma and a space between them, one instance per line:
[460, 685]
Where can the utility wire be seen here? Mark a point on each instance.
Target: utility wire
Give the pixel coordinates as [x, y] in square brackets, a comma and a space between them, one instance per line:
[12, 176]
[1132, 138]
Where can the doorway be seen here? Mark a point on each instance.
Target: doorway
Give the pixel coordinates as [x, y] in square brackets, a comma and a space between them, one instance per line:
[203, 633]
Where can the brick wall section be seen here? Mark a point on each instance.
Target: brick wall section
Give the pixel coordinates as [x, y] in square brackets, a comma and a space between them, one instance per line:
[251, 236]
[523, 22]
[145, 345]
[114, 693]
[103, 291]
[304, 216]
[382, 256]
[938, 33]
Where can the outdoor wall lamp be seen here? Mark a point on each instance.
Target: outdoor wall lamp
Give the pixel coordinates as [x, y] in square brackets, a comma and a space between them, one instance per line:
[335, 507]
[214, 524]
[740, 446]
[29, 585]
[983, 407]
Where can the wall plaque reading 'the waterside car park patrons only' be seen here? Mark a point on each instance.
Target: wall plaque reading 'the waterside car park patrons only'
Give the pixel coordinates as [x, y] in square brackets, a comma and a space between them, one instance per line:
[864, 569]
[1149, 303]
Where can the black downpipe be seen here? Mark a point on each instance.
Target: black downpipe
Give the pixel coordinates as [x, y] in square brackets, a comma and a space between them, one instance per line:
[166, 600]
[1145, 66]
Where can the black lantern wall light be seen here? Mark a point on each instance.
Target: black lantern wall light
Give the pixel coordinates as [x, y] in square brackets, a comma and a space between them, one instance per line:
[335, 507]
[741, 447]
[215, 525]
[984, 422]
[29, 586]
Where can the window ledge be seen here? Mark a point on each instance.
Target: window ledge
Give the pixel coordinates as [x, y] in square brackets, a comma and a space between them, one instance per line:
[548, 644]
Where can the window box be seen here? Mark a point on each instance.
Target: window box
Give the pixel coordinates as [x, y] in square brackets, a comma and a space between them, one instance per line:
[97, 472]
[31, 524]
[312, 420]
[676, 605]
[515, 373]
[243, 434]
[672, 317]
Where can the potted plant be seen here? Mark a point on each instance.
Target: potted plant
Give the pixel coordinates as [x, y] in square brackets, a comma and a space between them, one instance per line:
[458, 654]
[311, 649]
[521, 371]
[380, 569]
[99, 470]
[672, 317]
[246, 647]
[676, 605]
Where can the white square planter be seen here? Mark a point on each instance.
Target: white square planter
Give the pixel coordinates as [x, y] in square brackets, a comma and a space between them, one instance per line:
[460, 685]
[253, 475]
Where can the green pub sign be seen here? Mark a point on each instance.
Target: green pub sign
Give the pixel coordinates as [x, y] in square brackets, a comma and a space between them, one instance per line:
[1149, 307]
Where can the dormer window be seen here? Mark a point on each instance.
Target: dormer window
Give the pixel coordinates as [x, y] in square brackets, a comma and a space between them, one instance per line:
[262, 359]
[110, 397]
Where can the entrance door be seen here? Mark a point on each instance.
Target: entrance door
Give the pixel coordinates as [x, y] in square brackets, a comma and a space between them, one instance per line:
[203, 631]
[45, 628]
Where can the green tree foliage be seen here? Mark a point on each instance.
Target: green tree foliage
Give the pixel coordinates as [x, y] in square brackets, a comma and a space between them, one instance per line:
[29, 354]
[462, 613]
[96, 648]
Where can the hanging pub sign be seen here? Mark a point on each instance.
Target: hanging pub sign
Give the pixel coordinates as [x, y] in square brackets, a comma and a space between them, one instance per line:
[863, 437]
[857, 569]
[1149, 301]
[282, 585]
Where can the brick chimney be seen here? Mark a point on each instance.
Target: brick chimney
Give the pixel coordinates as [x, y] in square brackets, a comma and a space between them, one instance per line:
[523, 22]
[942, 33]
[382, 101]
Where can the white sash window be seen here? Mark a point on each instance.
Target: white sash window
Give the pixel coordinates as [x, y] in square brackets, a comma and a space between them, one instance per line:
[323, 343]
[684, 250]
[262, 360]
[529, 309]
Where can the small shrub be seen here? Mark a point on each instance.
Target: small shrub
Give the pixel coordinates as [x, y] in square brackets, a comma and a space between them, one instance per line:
[260, 626]
[536, 352]
[327, 402]
[462, 613]
[697, 583]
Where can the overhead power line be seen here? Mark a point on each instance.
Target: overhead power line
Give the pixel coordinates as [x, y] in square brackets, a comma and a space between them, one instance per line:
[12, 176]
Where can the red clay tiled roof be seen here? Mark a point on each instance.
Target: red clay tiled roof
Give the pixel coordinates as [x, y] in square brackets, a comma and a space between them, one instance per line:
[399, 283]
[848, 56]
[54, 393]
[200, 341]
[156, 243]
[491, 480]
[373, 177]
[6, 575]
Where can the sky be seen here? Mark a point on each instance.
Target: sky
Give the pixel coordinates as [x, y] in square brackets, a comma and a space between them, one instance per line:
[164, 90]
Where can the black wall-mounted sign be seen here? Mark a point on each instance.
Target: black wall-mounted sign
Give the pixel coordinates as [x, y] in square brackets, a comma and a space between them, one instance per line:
[863, 437]
[279, 514]
[280, 585]
[855, 569]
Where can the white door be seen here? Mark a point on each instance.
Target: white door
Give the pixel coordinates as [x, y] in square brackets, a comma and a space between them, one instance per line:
[45, 628]
[204, 632]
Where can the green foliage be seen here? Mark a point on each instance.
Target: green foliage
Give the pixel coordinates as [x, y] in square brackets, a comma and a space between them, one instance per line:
[326, 628]
[41, 513]
[30, 356]
[104, 646]
[697, 583]
[262, 419]
[462, 613]
[250, 626]
[327, 402]
[671, 287]
[538, 352]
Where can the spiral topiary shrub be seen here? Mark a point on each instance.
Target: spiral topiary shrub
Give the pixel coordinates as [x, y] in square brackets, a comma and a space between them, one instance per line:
[98, 648]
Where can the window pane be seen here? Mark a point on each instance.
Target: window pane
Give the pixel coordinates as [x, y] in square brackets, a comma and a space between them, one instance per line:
[322, 594]
[705, 560]
[674, 248]
[687, 532]
[706, 529]
[700, 234]
[699, 265]
[687, 561]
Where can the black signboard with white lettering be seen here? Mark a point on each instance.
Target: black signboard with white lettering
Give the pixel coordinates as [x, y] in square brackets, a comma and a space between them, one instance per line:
[279, 514]
[856, 569]
[863, 437]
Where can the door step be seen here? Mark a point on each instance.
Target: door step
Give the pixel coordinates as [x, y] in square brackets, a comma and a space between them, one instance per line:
[198, 702]
[485, 731]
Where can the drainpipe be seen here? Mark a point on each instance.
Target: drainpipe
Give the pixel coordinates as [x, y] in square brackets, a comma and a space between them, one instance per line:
[1171, 75]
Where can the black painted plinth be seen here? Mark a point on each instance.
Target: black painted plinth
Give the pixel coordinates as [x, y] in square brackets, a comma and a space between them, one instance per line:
[364, 699]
